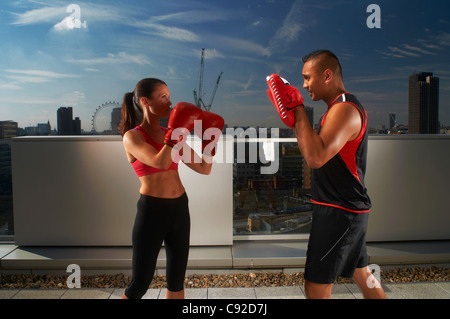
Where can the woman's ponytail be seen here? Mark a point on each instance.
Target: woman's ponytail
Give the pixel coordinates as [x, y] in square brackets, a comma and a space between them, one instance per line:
[129, 117]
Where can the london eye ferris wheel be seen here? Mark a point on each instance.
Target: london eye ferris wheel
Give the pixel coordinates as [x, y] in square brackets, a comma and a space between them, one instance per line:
[106, 118]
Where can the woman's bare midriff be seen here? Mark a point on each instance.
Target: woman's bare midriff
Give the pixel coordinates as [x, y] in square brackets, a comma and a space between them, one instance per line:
[166, 184]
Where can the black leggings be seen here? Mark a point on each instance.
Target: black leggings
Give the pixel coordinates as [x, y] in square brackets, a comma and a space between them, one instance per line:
[158, 220]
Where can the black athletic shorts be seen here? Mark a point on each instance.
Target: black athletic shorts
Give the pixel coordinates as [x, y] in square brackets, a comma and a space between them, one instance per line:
[337, 244]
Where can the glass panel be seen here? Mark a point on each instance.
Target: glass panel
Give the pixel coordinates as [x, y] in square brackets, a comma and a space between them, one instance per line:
[6, 206]
[271, 204]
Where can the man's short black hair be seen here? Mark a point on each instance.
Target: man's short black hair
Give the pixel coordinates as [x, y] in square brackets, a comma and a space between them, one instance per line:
[328, 60]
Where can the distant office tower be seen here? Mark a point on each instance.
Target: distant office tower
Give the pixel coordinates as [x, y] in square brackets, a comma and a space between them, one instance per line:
[66, 124]
[392, 120]
[423, 104]
[8, 129]
[116, 116]
[76, 126]
[65, 116]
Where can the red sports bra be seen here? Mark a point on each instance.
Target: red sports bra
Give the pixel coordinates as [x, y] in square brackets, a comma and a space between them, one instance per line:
[142, 169]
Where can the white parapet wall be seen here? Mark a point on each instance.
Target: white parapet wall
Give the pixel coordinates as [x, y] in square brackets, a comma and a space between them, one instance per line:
[81, 191]
[408, 180]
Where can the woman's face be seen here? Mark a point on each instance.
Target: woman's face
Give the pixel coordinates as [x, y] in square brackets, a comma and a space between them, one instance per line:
[159, 103]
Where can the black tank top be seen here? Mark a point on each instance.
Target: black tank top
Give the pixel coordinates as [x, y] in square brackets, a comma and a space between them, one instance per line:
[340, 182]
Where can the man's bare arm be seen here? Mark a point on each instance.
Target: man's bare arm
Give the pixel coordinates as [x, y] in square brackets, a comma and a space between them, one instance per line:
[343, 124]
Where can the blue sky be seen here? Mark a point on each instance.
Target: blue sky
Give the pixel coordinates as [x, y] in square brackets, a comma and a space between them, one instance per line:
[46, 64]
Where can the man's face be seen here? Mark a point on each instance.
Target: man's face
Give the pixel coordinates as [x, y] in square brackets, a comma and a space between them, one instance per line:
[313, 81]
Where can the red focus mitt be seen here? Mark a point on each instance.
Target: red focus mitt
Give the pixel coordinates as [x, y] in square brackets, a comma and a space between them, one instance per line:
[284, 97]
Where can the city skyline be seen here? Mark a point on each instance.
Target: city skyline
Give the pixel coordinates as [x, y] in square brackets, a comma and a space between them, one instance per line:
[49, 61]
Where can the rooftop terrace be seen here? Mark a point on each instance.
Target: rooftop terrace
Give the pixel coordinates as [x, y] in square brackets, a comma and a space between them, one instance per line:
[70, 210]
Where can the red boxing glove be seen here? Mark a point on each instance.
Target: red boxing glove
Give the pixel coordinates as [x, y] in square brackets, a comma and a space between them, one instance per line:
[209, 133]
[284, 97]
[181, 122]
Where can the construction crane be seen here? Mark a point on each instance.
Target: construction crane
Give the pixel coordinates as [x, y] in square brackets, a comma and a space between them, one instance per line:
[198, 96]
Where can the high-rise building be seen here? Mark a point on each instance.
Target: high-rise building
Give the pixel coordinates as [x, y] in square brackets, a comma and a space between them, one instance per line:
[423, 104]
[116, 116]
[65, 116]
[8, 129]
[392, 121]
[66, 124]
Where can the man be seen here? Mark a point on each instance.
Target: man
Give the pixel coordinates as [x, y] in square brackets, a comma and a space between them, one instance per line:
[337, 154]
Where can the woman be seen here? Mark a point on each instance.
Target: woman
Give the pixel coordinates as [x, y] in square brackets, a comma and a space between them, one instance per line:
[162, 209]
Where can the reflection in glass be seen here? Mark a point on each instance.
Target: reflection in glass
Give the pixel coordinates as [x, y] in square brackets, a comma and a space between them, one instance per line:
[276, 203]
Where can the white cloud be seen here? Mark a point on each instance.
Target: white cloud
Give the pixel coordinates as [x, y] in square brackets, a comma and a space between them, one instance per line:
[34, 100]
[110, 58]
[37, 76]
[91, 70]
[196, 16]
[421, 47]
[171, 33]
[72, 98]
[48, 14]
[9, 86]
[43, 73]
[211, 54]
[374, 78]
[443, 39]
[243, 85]
[29, 79]
[406, 51]
[417, 49]
[237, 45]
[154, 25]
[90, 13]
[288, 32]
[71, 16]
